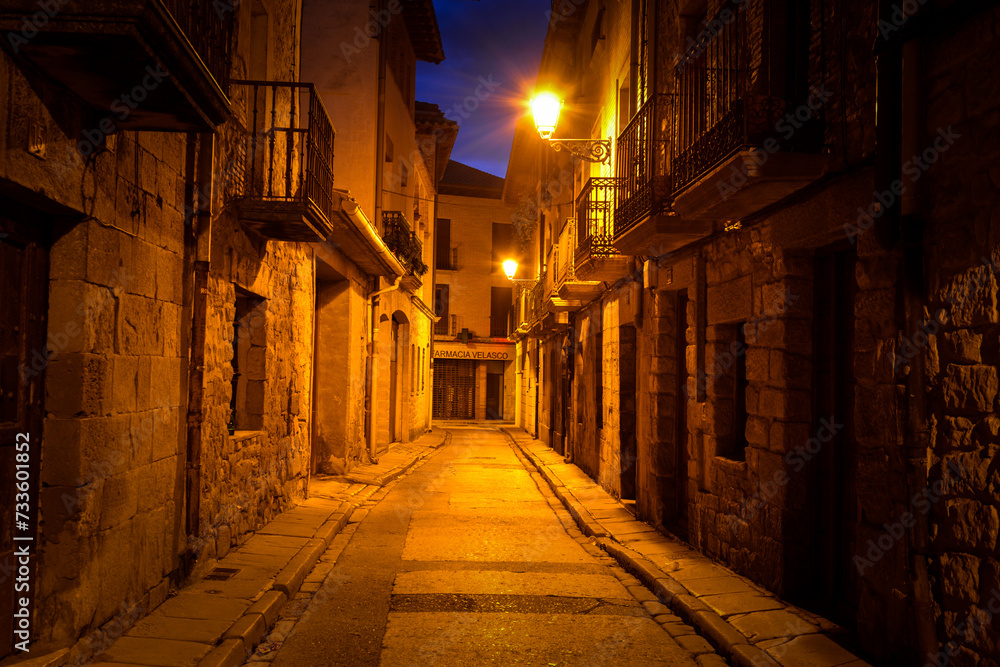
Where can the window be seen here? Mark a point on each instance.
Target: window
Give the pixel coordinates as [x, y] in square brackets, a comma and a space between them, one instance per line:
[404, 176]
[598, 32]
[500, 303]
[739, 447]
[503, 244]
[441, 309]
[727, 389]
[259, 37]
[249, 348]
[390, 150]
[442, 245]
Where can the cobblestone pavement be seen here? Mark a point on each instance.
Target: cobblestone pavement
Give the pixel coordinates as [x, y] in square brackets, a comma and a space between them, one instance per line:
[470, 560]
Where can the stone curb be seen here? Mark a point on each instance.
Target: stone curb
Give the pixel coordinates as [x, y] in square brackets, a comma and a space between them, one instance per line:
[710, 625]
[230, 653]
[248, 630]
[239, 641]
[398, 471]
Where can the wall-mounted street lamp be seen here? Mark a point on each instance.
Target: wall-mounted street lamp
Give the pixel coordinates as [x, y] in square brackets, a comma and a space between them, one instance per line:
[510, 268]
[545, 108]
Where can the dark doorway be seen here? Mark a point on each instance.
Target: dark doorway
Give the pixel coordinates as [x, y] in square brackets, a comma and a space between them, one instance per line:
[833, 499]
[494, 396]
[626, 428]
[680, 513]
[23, 355]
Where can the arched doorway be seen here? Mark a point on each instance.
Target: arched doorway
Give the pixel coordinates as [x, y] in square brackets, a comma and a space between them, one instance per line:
[393, 369]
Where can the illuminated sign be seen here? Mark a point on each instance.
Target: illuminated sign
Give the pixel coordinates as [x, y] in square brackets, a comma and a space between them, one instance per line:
[470, 354]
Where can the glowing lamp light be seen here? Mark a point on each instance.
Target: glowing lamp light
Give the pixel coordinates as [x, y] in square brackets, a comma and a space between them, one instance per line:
[545, 108]
[510, 268]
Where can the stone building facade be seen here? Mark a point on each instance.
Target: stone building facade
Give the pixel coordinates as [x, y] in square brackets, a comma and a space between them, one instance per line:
[783, 353]
[182, 267]
[392, 152]
[473, 358]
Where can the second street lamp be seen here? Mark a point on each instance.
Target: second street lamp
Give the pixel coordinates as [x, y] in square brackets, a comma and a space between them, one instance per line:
[510, 268]
[545, 108]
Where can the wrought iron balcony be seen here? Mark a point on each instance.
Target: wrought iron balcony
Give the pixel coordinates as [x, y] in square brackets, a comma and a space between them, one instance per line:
[404, 243]
[142, 64]
[644, 223]
[642, 168]
[733, 155]
[596, 256]
[716, 150]
[567, 291]
[286, 162]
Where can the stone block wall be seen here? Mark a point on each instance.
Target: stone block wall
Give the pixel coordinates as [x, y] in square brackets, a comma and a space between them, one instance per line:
[657, 475]
[246, 481]
[958, 339]
[112, 454]
[113, 448]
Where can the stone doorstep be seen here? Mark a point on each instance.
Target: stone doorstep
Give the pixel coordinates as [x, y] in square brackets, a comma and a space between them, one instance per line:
[725, 607]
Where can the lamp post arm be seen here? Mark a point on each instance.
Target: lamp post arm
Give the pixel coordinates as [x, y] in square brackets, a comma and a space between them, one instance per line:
[591, 150]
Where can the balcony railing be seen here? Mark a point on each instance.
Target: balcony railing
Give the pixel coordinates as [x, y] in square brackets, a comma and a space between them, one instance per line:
[595, 209]
[77, 40]
[210, 32]
[722, 109]
[286, 192]
[724, 96]
[642, 183]
[403, 242]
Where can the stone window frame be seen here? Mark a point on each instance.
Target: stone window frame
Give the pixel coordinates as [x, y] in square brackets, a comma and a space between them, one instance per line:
[726, 379]
[249, 360]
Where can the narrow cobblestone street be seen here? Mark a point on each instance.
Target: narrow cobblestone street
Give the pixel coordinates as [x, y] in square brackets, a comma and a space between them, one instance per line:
[467, 561]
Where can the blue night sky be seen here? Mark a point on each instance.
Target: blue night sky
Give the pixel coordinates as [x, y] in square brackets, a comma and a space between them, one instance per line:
[497, 41]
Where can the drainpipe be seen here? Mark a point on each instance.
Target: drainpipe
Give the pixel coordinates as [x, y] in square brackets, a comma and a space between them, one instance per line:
[199, 310]
[371, 375]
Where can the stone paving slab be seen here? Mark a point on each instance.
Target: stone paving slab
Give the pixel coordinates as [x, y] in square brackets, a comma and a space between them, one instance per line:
[210, 622]
[746, 623]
